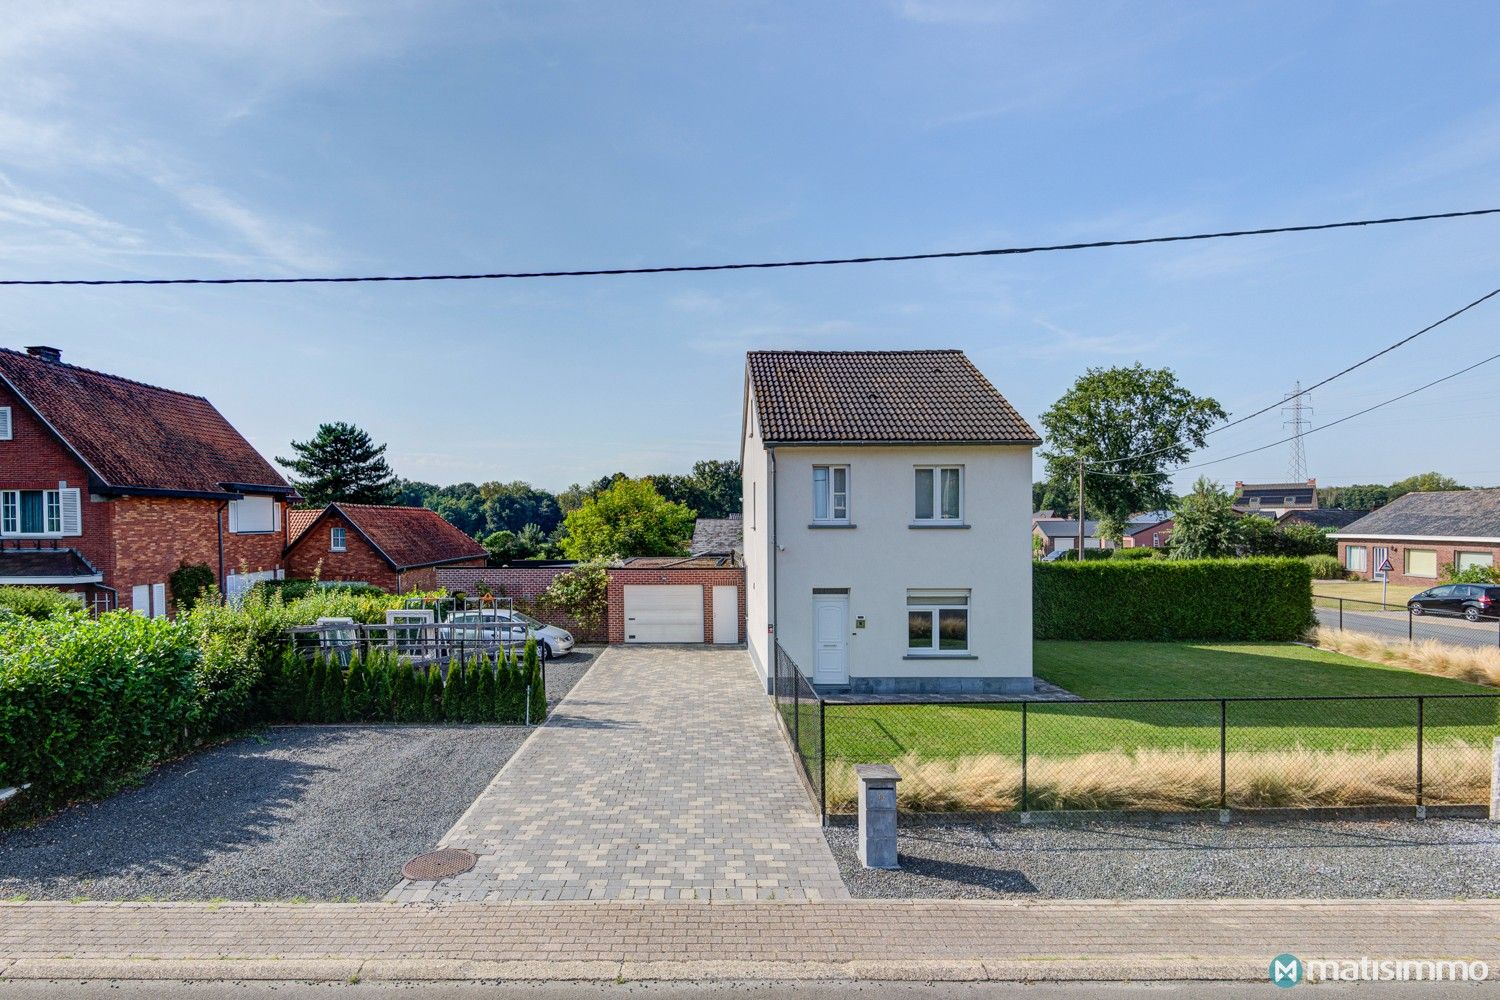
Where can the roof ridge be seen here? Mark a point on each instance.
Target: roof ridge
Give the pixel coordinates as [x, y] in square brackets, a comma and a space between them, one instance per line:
[105, 375]
[866, 351]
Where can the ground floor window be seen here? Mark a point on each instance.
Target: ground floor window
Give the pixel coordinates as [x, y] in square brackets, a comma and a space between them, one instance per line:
[937, 621]
[1475, 560]
[1356, 558]
[1421, 562]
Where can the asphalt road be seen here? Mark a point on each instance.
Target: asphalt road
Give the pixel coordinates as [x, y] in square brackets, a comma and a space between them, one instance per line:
[704, 991]
[1392, 625]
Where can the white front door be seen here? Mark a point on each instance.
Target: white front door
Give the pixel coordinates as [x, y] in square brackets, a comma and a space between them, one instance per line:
[831, 639]
[726, 614]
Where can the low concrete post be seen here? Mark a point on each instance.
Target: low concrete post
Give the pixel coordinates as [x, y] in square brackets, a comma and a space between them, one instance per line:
[1495, 785]
[877, 815]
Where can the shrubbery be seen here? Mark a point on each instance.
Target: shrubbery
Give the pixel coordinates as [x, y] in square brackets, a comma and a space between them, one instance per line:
[291, 590]
[1222, 600]
[1326, 567]
[38, 602]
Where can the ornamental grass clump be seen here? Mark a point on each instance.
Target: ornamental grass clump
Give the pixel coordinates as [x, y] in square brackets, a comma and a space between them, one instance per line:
[1474, 664]
[1184, 779]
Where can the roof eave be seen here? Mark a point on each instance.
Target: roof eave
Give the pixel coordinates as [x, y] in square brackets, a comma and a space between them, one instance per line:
[905, 443]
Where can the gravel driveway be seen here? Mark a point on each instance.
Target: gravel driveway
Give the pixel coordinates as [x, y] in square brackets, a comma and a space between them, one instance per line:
[1435, 858]
[325, 812]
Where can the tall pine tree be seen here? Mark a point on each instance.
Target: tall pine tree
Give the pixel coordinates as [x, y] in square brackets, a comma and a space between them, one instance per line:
[341, 464]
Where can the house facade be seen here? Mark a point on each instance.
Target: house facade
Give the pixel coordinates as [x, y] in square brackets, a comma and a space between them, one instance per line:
[397, 549]
[1061, 533]
[1275, 499]
[887, 514]
[1421, 533]
[1148, 533]
[108, 485]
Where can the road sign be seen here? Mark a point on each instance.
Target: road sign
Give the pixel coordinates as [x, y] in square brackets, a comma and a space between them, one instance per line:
[1385, 567]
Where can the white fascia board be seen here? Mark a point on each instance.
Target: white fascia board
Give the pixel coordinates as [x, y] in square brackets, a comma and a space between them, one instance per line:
[49, 581]
[1344, 536]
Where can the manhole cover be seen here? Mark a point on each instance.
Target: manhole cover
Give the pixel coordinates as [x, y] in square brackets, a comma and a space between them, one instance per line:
[438, 864]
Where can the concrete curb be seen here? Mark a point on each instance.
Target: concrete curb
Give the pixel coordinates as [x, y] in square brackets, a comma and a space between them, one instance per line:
[351, 970]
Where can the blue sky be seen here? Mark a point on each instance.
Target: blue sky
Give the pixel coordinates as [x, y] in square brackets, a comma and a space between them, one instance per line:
[148, 139]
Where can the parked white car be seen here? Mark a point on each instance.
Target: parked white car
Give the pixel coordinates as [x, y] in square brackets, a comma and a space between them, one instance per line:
[551, 641]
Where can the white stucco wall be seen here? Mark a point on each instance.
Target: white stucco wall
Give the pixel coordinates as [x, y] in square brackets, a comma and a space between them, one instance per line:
[883, 556]
[757, 530]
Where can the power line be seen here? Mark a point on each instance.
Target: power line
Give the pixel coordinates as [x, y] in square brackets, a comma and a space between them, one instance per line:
[1323, 427]
[762, 265]
[1316, 385]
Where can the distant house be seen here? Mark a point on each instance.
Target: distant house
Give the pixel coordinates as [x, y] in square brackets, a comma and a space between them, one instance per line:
[108, 485]
[1420, 533]
[1323, 517]
[718, 535]
[1148, 532]
[1274, 499]
[1062, 533]
[394, 548]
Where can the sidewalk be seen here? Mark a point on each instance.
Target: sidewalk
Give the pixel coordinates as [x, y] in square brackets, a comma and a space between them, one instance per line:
[870, 939]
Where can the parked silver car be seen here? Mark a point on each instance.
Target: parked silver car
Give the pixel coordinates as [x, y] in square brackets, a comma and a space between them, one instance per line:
[511, 627]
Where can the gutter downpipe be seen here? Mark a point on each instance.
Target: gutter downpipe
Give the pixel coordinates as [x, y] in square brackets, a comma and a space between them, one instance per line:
[775, 566]
[219, 527]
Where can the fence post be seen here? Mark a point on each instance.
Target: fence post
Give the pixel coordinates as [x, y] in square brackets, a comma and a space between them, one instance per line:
[1409, 619]
[1495, 784]
[1421, 726]
[1341, 614]
[797, 710]
[1223, 760]
[823, 760]
[1025, 775]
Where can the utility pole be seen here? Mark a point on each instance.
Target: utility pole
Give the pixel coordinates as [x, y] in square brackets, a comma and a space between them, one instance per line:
[1079, 553]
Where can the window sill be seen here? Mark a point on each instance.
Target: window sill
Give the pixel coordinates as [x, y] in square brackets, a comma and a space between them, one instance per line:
[35, 537]
[272, 531]
[831, 524]
[937, 524]
[940, 656]
[338, 550]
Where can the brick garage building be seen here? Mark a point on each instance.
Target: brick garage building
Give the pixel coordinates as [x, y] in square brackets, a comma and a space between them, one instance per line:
[1421, 533]
[108, 485]
[397, 549]
[677, 599]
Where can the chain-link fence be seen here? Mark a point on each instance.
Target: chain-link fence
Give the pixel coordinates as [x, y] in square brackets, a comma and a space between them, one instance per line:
[1396, 621]
[1164, 754]
[801, 713]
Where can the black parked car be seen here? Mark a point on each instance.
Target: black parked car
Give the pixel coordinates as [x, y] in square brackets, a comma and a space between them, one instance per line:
[1473, 601]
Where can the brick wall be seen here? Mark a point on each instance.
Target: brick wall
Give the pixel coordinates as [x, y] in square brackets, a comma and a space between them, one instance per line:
[311, 556]
[1447, 552]
[155, 535]
[705, 577]
[524, 583]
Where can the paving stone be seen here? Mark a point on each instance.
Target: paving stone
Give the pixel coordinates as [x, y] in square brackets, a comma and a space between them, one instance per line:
[662, 776]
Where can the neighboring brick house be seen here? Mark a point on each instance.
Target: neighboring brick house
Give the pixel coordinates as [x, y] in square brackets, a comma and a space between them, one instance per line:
[1062, 533]
[1420, 533]
[1148, 534]
[108, 485]
[1275, 499]
[1323, 517]
[394, 548]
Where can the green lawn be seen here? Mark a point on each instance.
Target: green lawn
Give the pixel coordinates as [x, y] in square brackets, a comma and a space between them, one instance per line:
[873, 733]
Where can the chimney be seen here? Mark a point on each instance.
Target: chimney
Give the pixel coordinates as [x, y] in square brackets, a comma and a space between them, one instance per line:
[45, 353]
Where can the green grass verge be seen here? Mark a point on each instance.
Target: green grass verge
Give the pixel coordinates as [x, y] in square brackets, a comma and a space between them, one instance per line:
[1176, 670]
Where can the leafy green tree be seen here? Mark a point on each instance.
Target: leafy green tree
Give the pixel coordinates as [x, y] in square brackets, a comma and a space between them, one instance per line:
[341, 464]
[1111, 529]
[629, 519]
[1134, 424]
[713, 489]
[1206, 525]
[1361, 497]
[1424, 482]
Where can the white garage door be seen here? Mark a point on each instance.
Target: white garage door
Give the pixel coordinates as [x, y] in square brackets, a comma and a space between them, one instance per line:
[663, 614]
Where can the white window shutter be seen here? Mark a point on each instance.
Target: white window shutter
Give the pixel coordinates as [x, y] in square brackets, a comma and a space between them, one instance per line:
[158, 600]
[234, 515]
[276, 515]
[140, 600]
[5, 432]
[71, 503]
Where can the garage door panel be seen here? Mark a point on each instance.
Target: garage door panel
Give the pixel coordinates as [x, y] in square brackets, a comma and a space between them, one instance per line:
[663, 613]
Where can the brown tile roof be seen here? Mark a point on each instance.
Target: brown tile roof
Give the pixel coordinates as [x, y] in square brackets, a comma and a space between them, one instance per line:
[880, 396]
[137, 436]
[406, 536]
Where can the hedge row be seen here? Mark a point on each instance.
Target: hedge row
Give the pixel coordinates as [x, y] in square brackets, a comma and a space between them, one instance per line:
[1221, 600]
[383, 687]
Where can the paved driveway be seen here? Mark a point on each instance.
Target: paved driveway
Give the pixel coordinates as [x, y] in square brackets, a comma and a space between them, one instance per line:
[661, 776]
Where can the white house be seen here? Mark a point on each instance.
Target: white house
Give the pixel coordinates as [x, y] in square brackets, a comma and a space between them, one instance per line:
[887, 522]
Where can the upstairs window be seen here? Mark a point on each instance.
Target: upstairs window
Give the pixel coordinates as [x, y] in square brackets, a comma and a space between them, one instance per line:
[940, 493]
[831, 494]
[336, 539]
[254, 515]
[40, 513]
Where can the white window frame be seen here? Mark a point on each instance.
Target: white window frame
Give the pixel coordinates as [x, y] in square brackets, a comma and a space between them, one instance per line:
[338, 538]
[1364, 558]
[936, 602]
[829, 486]
[1288, 501]
[937, 495]
[1406, 563]
[10, 514]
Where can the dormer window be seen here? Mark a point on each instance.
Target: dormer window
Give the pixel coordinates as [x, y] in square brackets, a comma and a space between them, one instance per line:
[830, 494]
[336, 539]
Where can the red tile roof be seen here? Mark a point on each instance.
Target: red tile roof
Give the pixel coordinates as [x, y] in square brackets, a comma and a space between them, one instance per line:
[299, 520]
[138, 436]
[880, 397]
[407, 537]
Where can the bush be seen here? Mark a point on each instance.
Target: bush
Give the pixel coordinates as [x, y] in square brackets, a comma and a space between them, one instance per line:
[39, 602]
[291, 590]
[1140, 552]
[1473, 574]
[1325, 567]
[1219, 600]
[84, 703]
[534, 679]
[189, 584]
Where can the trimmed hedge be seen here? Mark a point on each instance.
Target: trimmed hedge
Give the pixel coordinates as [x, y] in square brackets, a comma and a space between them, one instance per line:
[1167, 600]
